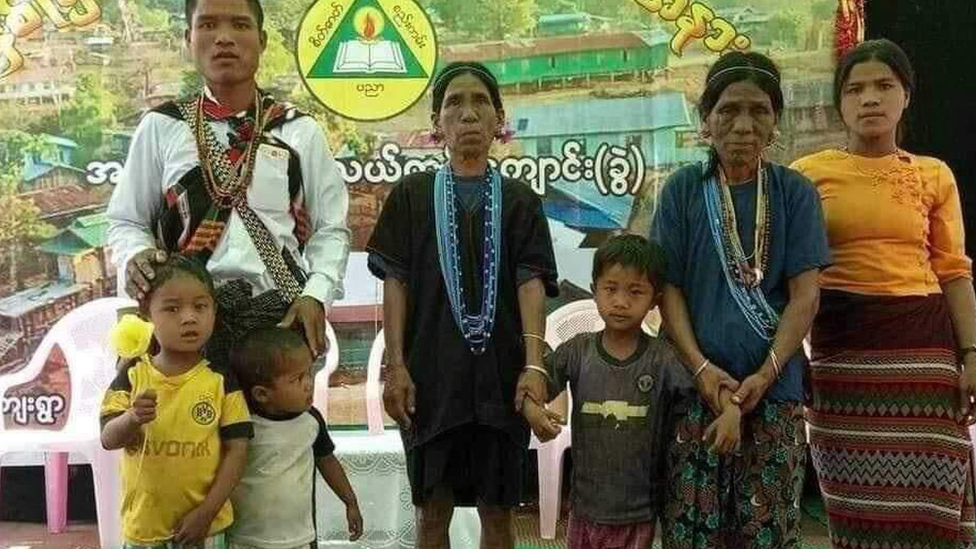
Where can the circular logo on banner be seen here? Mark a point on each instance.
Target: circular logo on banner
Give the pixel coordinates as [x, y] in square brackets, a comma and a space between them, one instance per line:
[366, 59]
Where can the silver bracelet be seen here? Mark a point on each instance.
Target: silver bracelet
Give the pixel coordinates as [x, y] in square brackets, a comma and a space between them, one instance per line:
[775, 360]
[701, 368]
[534, 336]
[539, 369]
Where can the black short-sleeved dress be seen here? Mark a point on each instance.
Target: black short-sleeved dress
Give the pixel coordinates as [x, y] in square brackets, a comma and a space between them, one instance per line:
[466, 434]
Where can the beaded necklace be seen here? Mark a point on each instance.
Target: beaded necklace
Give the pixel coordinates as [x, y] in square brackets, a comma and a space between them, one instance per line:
[227, 184]
[742, 279]
[748, 273]
[223, 192]
[476, 328]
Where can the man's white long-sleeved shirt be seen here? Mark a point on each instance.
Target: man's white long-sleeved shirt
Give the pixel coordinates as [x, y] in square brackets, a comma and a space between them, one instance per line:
[163, 150]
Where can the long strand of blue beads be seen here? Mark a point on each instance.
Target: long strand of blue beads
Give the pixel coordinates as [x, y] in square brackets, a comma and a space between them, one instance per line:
[475, 328]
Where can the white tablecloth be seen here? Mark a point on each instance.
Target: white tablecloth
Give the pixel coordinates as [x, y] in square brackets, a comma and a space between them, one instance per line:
[376, 467]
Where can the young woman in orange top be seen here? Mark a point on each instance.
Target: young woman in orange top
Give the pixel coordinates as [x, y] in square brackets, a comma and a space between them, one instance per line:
[893, 375]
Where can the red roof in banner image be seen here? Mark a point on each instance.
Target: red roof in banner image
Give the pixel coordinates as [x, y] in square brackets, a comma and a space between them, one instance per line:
[492, 51]
[65, 200]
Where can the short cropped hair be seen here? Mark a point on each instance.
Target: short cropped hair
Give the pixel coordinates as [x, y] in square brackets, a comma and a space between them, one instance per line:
[634, 251]
[260, 354]
[255, 5]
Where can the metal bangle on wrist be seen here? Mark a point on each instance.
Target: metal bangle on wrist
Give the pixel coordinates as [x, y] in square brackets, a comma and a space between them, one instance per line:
[701, 368]
[534, 368]
[546, 349]
[774, 358]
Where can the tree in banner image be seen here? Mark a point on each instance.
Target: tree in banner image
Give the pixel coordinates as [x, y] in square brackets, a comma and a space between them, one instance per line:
[622, 11]
[496, 20]
[20, 224]
[152, 19]
[284, 15]
[20, 227]
[191, 82]
[784, 27]
[14, 145]
[87, 115]
[547, 7]
[127, 16]
[276, 61]
[822, 25]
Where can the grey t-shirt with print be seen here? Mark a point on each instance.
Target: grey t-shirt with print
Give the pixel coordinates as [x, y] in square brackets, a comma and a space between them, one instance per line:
[621, 423]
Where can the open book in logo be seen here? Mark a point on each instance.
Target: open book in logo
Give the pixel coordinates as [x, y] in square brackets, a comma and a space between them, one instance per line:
[370, 53]
[366, 45]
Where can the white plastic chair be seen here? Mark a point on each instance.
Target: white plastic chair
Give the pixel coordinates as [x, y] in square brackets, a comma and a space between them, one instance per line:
[561, 325]
[374, 393]
[55, 464]
[321, 398]
[82, 336]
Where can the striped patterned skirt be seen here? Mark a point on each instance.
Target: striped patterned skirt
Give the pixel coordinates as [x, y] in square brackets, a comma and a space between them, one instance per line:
[894, 463]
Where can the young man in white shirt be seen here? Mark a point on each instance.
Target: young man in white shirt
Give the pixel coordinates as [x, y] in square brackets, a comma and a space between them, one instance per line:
[245, 183]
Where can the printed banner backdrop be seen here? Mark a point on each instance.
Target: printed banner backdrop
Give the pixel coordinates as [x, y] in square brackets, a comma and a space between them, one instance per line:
[599, 94]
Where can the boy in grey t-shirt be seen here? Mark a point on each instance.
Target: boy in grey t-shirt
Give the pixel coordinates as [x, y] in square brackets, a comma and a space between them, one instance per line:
[624, 384]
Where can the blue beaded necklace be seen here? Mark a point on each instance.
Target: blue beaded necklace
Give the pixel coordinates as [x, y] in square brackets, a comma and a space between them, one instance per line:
[476, 329]
[747, 293]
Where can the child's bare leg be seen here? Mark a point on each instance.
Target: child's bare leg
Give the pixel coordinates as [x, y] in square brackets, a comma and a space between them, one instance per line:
[496, 527]
[434, 519]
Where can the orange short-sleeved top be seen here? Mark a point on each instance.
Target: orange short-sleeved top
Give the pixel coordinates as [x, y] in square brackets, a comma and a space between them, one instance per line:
[894, 223]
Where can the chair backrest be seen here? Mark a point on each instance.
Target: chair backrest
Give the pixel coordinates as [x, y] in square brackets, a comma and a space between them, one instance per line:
[375, 362]
[321, 395]
[571, 319]
[83, 335]
[374, 403]
[582, 316]
[575, 318]
[332, 355]
[28, 373]
[561, 325]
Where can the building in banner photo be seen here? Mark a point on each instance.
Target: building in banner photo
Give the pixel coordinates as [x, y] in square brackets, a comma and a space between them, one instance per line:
[535, 63]
[589, 123]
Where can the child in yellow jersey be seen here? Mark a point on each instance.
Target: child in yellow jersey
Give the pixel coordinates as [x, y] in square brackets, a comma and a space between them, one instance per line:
[183, 424]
